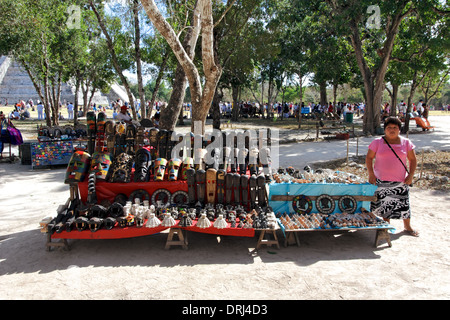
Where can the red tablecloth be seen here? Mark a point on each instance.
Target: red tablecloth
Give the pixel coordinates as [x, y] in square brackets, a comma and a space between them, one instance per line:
[109, 190]
[133, 231]
[115, 233]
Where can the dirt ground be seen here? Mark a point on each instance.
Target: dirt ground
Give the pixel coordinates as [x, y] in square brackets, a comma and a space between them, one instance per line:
[326, 265]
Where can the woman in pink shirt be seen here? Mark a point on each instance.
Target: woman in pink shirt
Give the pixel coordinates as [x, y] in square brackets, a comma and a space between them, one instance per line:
[391, 175]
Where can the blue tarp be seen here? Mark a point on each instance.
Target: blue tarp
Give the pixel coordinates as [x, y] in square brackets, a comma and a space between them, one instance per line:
[317, 189]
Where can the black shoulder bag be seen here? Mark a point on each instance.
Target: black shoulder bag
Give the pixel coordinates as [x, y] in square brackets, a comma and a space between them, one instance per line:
[397, 157]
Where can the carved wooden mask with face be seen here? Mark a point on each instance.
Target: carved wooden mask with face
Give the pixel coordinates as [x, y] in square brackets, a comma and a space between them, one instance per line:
[100, 164]
[78, 167]
[160, 169]
[188, 163]
[174, 167]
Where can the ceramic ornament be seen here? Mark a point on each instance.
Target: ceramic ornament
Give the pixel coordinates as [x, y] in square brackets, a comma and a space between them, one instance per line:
[271, 220]
[220, 222]
[185, 220]
[152, 221]
[168, 221]
[203, 222]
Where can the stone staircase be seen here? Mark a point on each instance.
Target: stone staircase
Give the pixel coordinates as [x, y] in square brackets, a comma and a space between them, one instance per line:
[16, 85]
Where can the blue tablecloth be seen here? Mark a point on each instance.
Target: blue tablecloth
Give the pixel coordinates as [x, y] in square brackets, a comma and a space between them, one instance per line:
[317, 189]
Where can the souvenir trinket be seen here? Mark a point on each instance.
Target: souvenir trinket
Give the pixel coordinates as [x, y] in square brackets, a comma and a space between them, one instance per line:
[78, 167]
[174, 166]
[160, 169]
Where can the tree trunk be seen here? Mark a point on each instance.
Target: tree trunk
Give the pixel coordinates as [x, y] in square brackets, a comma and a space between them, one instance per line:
[335, 87]
[158, 80]
[374, 79]
[201, 97]
[216, 108]
[394, 96]
[169, 115]
[85, 90]
[299, 115]
[137, 50]
[75, 102]
[414, 86]
[323, 93]
[235, 109]
[114, 59]
[262, 92]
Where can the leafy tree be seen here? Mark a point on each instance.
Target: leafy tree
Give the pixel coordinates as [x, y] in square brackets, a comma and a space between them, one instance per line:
[201, 94]
[373, 37]
[118, 44]
[41, 40]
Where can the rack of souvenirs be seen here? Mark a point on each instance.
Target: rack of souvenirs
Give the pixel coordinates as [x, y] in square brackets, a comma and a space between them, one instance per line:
[61, 133]
[130, 181]
[324, 200]
[127, 179]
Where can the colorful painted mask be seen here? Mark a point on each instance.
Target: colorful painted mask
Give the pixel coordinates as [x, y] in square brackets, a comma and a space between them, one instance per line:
[91, 121]
[141, 165]
[100, 164]
[160, 169]
[188, 163]
[78, 167]
[174, 167]
[101, 120]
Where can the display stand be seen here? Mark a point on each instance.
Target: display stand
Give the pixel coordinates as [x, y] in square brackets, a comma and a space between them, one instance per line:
[263, 240]
[60, 244]
[246, 194]
[51, 153]
[382, 234]
[182, 240]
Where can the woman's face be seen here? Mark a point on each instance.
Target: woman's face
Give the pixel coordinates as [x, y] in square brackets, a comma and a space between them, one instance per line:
[392, 131]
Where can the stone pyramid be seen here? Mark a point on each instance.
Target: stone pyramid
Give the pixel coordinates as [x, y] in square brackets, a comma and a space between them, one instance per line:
[16, 85]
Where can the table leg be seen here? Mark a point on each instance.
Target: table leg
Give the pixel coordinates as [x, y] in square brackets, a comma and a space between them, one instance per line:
[382, 234]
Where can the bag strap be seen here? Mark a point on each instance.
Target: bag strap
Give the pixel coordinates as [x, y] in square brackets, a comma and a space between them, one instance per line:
[396, 154]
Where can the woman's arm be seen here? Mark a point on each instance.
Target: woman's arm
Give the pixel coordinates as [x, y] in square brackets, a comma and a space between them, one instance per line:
[412, 166]
[369, 164]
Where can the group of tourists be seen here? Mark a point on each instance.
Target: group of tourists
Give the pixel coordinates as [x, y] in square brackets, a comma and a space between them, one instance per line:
[21, 110]
[249, 109]
[421, 108]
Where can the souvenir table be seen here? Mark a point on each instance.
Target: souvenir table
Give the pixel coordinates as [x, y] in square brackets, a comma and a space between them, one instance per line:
[107, 191]
[127, 183]
[284, 198]
[49, 153]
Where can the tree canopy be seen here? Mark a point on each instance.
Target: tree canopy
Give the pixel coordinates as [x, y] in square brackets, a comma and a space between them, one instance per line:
[208, 47]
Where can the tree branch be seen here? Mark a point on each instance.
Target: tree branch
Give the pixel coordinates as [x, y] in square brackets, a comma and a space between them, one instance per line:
[224, 13]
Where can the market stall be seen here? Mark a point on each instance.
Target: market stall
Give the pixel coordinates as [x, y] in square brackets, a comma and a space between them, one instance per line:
[134, 180]
[329, 204]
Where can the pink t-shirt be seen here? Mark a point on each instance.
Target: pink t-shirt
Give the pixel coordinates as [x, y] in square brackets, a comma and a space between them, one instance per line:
[387, 167]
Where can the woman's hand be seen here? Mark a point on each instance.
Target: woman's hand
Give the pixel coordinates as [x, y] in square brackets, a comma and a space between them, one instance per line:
[409, 179]
[372, 178]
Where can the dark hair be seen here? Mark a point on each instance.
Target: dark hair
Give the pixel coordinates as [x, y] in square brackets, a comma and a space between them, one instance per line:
[392, 120]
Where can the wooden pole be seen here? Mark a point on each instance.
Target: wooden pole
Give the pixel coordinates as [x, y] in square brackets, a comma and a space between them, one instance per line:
[421, 165]
[347, 150]
[357, 145]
